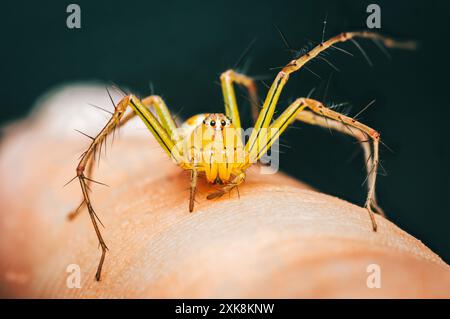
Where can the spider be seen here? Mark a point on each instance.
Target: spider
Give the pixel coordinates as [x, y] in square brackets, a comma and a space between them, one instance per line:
[212, 144]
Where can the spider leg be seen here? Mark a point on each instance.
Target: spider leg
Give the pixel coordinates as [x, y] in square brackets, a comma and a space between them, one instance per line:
[363, 133]
[264, 133]
[235, 182]
[323, 116]
[160, 133]
[90, 167]
[227, 79]
[164, 117]
[268, 108]
[193, 189]
[363, 139]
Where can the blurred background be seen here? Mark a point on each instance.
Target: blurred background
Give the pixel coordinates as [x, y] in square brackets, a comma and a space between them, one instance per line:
[181, 47]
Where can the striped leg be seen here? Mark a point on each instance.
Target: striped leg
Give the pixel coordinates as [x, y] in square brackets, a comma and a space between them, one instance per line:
[268, 108]
[227, 79]
[317, 115]
[157, 129]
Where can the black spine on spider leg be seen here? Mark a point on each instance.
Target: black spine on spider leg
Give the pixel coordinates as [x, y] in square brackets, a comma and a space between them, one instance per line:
[329, 63]
[100, 108]
[355, 118]
[368, 174]
[341, 50]
[324, 27]
[362, 51]
[327, 87]
[151, 87]
[244, 54]
[177, 114]
[284, 38]
[267, 86]
[88, 136]
[118, 89]
[70, 181]
[94, 181]
[382, 49]
[295, 52]
[83, 154]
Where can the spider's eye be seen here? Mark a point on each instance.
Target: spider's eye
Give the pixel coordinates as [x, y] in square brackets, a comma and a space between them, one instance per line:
[213, 123]
[223, 123]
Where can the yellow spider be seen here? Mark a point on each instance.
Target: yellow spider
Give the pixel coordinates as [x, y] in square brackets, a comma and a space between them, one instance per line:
[212, 144]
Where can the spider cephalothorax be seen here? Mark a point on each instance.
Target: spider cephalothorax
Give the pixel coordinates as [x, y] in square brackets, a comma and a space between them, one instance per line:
[214, 147]
[212, 143]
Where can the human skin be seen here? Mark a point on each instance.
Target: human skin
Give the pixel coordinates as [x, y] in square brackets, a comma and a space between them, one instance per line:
[279, 238]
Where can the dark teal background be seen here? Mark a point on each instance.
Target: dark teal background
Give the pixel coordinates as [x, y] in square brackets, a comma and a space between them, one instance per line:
[183, 46]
